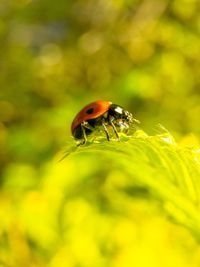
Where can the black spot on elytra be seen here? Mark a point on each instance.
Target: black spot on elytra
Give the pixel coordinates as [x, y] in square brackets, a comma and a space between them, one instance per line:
[90, 111]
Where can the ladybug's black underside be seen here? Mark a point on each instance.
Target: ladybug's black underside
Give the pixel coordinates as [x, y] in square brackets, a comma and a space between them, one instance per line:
[78, 132]
[116, 117]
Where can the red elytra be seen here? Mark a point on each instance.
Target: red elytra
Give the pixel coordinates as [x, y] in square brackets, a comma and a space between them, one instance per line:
[91, 111]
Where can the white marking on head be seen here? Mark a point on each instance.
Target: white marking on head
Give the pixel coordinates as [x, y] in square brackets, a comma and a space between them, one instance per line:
[119, 110]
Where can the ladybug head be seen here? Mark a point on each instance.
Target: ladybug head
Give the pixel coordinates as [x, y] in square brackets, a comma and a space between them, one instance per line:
[119, 112]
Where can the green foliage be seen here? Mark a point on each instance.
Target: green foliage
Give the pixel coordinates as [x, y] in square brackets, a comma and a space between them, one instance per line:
[169, 172]
[105, 204]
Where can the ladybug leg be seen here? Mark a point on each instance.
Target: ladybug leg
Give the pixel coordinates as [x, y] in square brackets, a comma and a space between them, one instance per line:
[106, 131]
[114, 129]
[84, 134]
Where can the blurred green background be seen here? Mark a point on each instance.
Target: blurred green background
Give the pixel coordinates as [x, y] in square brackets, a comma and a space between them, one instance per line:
[56, 57]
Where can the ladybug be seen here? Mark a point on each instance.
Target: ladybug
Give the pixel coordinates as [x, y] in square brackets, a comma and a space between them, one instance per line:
[101, 114]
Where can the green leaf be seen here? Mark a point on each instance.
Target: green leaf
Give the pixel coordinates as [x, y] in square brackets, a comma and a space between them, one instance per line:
[168, 171]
